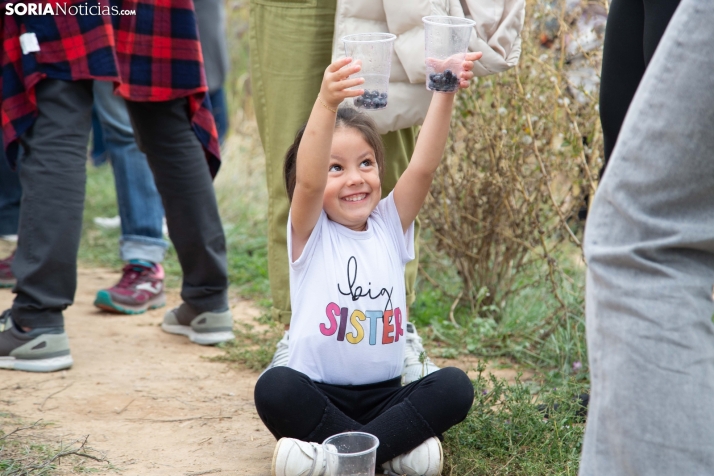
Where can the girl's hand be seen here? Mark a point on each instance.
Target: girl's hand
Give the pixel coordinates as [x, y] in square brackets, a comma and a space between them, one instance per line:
[455, 63]
[467, 66]
[335, 82]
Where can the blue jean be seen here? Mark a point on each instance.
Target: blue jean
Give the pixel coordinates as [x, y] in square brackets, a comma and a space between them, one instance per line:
[139, 202]
[219, 107]
[649, 245]
[10, 194]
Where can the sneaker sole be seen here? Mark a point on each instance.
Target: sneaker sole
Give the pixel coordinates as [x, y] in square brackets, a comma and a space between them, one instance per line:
[104, 302]
[273, 471]
[441, 456]
[39, 365]
[201, 338]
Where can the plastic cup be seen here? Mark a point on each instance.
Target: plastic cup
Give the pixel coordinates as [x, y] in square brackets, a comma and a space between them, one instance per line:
[351, 454]
[447, 41]
[374, 51]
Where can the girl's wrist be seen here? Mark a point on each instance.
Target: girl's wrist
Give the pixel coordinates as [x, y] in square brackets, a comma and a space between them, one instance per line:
[324, 96]
[326, 105]
[444, 98]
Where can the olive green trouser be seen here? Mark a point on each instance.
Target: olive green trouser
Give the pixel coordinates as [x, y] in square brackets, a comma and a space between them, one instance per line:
[290, 47]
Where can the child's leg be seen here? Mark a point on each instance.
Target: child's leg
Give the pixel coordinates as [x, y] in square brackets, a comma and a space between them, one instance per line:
[420, 410]
[291, 405]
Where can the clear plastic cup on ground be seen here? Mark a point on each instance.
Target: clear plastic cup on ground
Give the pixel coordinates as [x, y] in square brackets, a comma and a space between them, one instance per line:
[351, 454]
[446, 42]
[374, 52]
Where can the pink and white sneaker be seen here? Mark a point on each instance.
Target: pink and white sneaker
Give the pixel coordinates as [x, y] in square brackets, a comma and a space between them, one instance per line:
[140, 288]
[7, 279]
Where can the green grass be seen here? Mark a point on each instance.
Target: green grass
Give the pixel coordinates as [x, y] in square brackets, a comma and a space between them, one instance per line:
[27, 450]
[507, 431]
[530, 329]
[254, 345]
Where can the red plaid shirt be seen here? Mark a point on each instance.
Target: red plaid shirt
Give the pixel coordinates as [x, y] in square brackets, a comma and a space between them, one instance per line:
[153, 55]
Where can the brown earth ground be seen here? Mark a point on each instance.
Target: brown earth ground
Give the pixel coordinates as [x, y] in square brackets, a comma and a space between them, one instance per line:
[150, 401]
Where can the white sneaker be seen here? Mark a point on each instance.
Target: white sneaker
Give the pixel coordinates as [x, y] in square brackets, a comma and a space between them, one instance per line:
[298, 458]
[424, 460]
[414, 369]
[280, 358]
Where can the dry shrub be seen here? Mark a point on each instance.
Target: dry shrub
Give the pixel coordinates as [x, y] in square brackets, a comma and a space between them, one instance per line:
[524, 152]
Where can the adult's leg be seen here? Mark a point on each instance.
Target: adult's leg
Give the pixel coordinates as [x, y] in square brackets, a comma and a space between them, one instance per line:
[219, 107]
[649, 245]
[139, 202]
[10, 194]
[623, 64]
[52, 173]
[299, 34]
[633, 31]
[163, 132]
[658, 13]
[211, 19]
[98, 152]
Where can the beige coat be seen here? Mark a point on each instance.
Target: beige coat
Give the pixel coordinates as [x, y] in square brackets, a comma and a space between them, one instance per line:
[498, 36]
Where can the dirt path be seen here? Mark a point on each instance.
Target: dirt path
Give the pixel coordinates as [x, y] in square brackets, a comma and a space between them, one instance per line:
[149, 400]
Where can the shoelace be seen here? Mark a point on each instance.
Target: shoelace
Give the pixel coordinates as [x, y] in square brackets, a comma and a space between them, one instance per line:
[7, 262]
[132, 274]
[416, 343]
[411, 356]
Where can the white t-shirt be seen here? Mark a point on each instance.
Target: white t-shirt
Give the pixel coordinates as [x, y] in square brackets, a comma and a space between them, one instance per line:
[349, 299]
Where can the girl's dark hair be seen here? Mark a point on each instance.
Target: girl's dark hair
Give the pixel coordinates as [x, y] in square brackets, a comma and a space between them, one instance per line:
[347, 118]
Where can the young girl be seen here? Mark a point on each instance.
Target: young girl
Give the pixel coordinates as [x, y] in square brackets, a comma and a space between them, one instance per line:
[347, 249]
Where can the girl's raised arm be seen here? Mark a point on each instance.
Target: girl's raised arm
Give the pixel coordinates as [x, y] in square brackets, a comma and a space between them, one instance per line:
[412, 187]
[313, 156]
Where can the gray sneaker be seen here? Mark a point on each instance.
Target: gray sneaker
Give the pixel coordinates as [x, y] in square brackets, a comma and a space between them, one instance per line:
[39, 350]
[206, 328]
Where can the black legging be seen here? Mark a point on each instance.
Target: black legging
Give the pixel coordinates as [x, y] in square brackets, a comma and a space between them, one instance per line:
[634, 28]
[292, 405]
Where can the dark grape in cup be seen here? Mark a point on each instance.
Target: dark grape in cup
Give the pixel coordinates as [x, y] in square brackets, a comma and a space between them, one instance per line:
[374, 52]
[446, 43]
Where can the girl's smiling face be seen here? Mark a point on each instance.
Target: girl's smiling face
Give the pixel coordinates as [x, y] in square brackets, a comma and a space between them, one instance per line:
[353, 187]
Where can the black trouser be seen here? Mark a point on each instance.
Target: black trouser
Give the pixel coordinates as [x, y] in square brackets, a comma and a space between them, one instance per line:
[633, 31]
[53, 176]
[292, 405]
[10, 193]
